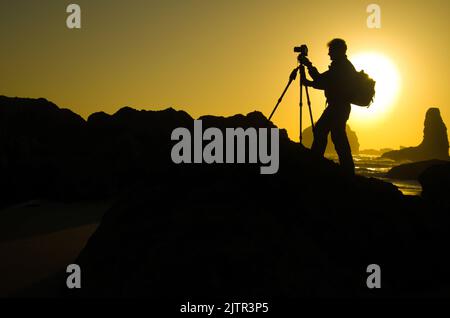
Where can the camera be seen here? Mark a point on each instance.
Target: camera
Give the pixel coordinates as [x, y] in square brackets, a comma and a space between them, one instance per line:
[302, 49]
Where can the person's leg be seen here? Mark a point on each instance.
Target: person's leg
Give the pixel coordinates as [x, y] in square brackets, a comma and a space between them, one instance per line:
[340, 140]
[322, 128]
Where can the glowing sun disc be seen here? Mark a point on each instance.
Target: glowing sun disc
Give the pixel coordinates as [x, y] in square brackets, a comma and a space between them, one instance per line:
[387, 87]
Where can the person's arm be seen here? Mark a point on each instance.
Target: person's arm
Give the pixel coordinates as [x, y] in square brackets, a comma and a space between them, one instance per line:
[318, 81]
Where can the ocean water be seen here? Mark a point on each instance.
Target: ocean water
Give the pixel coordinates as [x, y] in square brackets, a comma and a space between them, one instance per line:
[376, 167]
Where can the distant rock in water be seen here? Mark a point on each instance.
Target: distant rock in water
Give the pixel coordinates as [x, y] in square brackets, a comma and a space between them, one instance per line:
[374, 152]
[412, 171]
[352, 139]
[434, 144]
[370, 152]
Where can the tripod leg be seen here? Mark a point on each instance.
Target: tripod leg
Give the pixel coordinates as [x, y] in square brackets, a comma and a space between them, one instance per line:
[310, 111]
[279, 100]
[291, 79]
[301, 108]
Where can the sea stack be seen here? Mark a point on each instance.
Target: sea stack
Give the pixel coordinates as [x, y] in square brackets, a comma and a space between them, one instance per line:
[434, 144]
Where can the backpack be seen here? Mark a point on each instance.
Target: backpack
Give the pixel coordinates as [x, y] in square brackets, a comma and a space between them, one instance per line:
[363, 90]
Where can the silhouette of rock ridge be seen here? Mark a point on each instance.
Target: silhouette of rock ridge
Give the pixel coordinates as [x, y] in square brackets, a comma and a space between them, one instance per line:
[225, 230]
[434, 144]
[48, 152]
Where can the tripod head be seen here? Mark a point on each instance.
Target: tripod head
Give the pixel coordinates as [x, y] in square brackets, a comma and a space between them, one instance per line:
[302, 59]
[303, 50]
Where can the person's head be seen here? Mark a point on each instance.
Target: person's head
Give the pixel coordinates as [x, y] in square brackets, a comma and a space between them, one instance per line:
[337, 49]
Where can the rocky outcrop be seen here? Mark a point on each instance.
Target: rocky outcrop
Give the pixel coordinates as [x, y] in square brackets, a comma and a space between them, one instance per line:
[434, 144]
[435, 183]
[52, 153]
[304, 232]
[225, 230]
[412, 171]
[37, 141]
[351, 135]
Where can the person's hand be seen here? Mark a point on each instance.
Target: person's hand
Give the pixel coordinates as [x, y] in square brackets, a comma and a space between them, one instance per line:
[305, 61]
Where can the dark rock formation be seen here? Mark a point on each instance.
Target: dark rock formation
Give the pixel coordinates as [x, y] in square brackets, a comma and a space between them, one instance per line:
[434, 144]
[224, 229]
[52, 153]
[37, 139]
[352, 139]
[305, 232]
[412, 171]
[435, 183]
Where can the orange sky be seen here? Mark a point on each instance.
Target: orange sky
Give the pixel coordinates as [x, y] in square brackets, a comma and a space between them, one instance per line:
[221, 57]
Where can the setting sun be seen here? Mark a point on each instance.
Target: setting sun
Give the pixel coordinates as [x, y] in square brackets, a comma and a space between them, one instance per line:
[387, 87]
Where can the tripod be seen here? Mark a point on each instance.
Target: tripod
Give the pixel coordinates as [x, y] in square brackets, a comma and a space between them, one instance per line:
[299, 69]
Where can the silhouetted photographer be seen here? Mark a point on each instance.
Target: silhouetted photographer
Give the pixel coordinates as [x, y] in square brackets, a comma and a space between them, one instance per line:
[336, 82]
